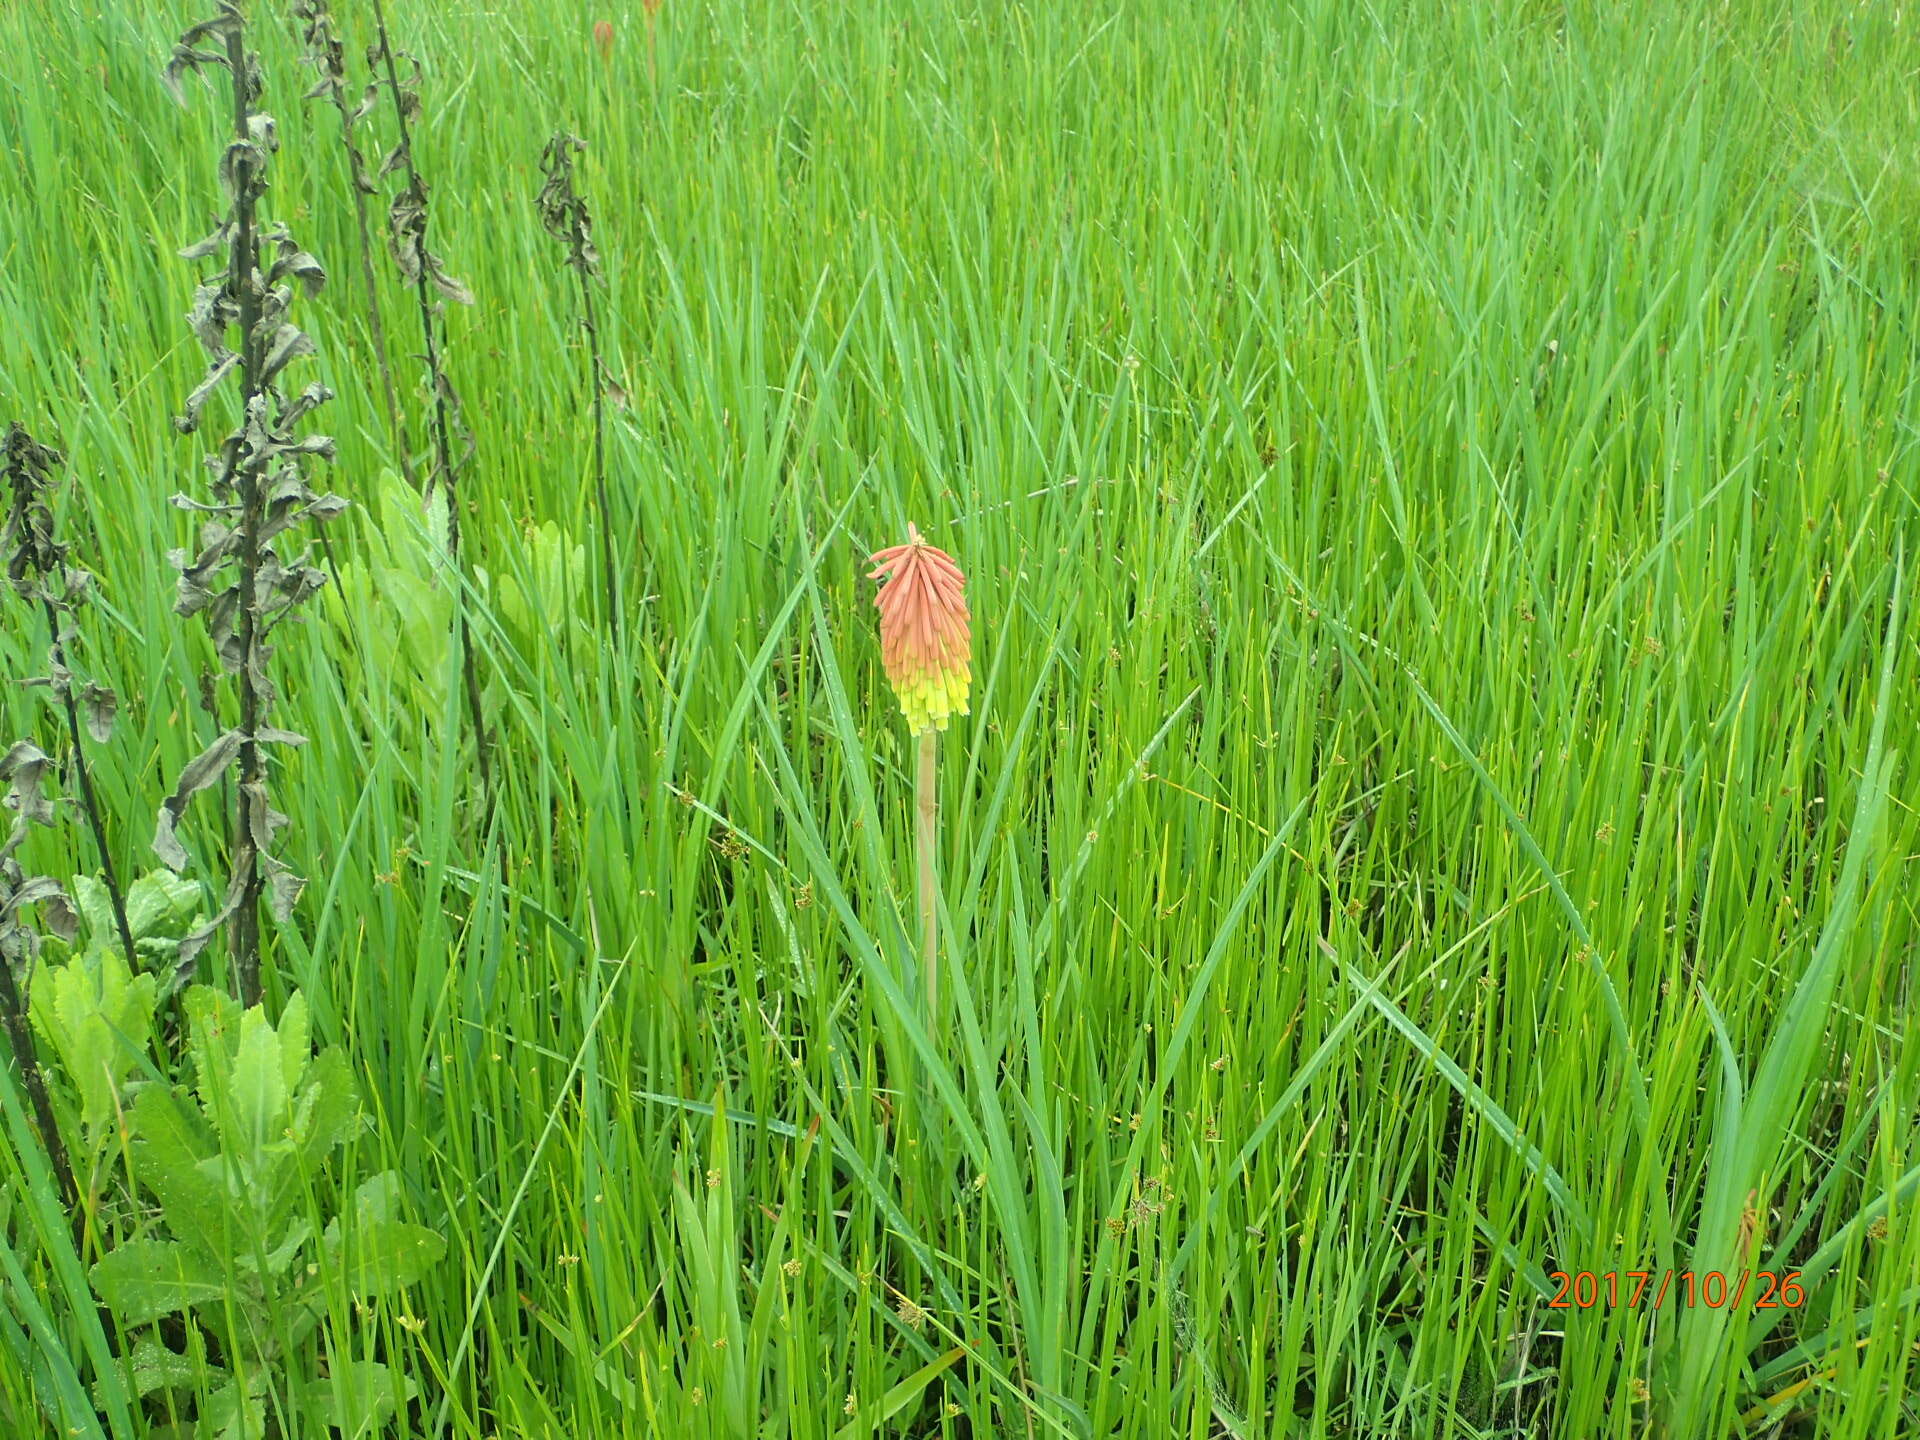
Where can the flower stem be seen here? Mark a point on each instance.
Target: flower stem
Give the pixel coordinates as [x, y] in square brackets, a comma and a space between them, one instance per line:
[926, 815]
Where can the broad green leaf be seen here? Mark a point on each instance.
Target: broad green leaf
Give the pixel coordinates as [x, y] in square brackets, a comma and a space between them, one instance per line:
[296, 1043]
[161, 906]
[155, 1367]
[145, 1279]
[424, 610]
[381, 1256]
[328, 1111]
[257, 1093]
[376, 1198]
[98, 1018]
[357, 1397]
[213, 1024]
[283, 1254]
[90, 898]
[231, 1415]
[172, 1153]
[324, 1114]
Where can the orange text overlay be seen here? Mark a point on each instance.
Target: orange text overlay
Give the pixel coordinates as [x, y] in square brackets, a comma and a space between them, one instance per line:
[1652, 1289]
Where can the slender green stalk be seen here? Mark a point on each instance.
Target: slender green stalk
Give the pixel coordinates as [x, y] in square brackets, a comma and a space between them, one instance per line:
[926, 845]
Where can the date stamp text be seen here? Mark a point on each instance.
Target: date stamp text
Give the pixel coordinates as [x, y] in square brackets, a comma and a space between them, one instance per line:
[1653, 1289]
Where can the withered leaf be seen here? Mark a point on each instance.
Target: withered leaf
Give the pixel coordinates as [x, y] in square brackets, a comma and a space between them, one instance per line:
[221, 237]
[289, 342]
[283, 889]
[60, 916]
[100, 705]
[201, 772]
[23, 770]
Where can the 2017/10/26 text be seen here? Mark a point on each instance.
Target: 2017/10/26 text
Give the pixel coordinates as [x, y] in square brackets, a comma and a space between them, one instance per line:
[1633, 1289]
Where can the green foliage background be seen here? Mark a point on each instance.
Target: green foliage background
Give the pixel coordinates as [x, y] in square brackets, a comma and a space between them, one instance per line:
[1438, 488]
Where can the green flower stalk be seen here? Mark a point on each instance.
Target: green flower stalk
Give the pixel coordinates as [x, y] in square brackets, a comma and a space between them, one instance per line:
[926, 645]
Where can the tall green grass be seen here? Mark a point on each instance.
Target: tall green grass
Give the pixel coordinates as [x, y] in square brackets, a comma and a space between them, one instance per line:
[1438, 489]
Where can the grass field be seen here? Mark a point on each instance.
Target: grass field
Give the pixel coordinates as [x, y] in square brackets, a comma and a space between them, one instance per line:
[1437, 484]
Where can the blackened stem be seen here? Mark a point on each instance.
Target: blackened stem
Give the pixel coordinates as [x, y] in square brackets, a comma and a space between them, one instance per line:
[13, 1014]
[243, 467]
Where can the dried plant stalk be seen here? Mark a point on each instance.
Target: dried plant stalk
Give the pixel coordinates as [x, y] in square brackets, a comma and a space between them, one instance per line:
[564, 213]
[23, 770]
[424, 270]
[39, 569]
[327, 56]
[239, 581]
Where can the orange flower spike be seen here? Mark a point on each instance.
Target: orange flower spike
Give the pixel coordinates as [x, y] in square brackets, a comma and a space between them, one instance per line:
[925, 640]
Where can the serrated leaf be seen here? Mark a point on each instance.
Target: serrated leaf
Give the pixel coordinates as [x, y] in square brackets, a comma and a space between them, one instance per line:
[96, 909]
[144, 1279]
[177, 1158]
[98, 1017]
[256, 1114]
[213, 1024]
[328, 1113]
[295, 1041]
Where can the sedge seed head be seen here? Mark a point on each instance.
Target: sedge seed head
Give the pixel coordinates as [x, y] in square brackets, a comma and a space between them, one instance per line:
[926, 642]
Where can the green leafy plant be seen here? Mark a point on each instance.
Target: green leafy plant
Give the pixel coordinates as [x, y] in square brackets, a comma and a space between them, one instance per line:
[234, 1161]
[96, 1016]
[94, 1013]
[405, 582]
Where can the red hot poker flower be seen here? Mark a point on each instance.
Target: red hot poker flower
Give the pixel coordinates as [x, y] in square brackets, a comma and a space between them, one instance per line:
[925, 640]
